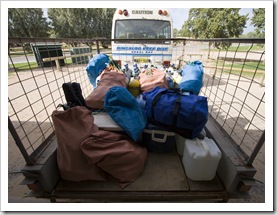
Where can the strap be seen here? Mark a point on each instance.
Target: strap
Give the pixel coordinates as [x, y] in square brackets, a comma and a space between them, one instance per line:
[158, 96]
[176, 110]
[183, 132]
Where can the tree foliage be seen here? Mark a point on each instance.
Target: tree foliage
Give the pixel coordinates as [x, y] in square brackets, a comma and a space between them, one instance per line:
[214, 23]
[27, 22]
[258, 20]
[81, 22]
[175, 32]
[251, 34]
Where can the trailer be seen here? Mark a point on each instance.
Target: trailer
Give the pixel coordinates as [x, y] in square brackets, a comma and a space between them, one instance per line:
[235, 88]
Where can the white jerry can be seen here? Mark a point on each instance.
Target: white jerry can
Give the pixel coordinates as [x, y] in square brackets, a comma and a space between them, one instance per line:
[201, 159]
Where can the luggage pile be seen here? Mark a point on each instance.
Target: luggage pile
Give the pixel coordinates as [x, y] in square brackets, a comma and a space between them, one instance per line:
[146, 105]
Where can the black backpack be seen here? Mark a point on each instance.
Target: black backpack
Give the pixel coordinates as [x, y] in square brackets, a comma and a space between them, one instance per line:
[73, 95]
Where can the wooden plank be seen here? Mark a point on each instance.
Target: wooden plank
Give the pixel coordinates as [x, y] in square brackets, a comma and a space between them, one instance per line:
[64, 57]
[163, 172]
[206, 186]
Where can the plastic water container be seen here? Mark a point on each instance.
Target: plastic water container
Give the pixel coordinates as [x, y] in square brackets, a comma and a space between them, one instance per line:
[180, 141]
[201, 159]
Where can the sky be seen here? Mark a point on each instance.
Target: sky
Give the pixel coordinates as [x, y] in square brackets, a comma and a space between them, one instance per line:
[180, 15]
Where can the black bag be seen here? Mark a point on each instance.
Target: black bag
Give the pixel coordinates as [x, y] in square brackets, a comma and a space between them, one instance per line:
[73, 95]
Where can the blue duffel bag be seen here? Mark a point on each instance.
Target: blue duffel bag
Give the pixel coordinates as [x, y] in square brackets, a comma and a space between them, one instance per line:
[124, 109]
[95, 67]
[183, 114]
[192, 77]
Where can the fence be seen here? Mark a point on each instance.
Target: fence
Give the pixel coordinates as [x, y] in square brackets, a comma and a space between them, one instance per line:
[233, 84]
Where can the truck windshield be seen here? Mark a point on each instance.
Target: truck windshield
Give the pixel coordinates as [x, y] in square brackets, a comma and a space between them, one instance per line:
[142, 29]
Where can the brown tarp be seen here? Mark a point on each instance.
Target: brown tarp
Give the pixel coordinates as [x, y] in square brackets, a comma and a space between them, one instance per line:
[108, 79]
[86, 153]
[116, 154]
[72, 127]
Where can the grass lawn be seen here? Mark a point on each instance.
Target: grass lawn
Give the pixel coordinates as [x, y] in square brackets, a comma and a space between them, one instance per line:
[246, 66]
[241, 48]
[246, 48]
[33, 65]
[243, 74]
[24, 66]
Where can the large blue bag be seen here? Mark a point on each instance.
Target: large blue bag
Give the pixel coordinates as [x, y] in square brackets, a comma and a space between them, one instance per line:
[124, 109]
[95, 66]
[186, 115]
[192, 77]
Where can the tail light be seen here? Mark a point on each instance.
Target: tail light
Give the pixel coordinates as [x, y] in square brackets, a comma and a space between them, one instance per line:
[124, 12]
[160, 12]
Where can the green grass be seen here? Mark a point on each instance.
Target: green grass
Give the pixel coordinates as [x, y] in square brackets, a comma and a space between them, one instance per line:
[240, 48]
[243, 74]
[33, 65]
[68, 61]
[246, 66]
[245, 48]
[24, 66]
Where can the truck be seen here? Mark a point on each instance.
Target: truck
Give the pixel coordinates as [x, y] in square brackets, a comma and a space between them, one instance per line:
[129, 29]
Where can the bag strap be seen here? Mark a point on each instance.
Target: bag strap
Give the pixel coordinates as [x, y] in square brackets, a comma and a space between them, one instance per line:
[183, 132]
[176, 109]
[158, 96]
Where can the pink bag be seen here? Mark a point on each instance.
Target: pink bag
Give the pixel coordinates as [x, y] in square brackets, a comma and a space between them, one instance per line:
[115, 154]
[151, 78]
[108, 79]
[72, 127]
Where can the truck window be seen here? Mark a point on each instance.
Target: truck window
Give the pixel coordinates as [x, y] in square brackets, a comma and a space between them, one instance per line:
[143, 29]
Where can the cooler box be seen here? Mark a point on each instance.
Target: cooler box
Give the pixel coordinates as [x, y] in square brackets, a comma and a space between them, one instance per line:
[156, 139]
[201, 159]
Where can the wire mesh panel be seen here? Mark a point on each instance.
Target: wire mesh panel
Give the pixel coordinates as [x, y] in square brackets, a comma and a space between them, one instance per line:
[35, 89]
[233, 83]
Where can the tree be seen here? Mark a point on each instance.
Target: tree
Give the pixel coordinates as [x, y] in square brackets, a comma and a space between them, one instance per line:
[175, 32]
[81, 22]
[27, 22]
[258, 20]
[214, 23]
[251, 34]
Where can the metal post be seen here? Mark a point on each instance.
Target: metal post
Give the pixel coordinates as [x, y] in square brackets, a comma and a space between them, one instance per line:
[97, 46]
[19, 143]
[256, 149]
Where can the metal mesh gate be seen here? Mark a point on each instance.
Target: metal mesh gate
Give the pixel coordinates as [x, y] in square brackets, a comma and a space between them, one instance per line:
[233, 83]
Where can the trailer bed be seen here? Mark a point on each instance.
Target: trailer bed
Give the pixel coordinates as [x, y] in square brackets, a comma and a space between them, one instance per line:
[163, 179]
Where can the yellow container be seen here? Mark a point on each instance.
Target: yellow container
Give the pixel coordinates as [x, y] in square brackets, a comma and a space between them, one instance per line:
[134, 87]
